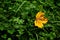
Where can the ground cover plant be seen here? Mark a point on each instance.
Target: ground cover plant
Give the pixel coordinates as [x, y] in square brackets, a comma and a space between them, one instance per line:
[17, 19]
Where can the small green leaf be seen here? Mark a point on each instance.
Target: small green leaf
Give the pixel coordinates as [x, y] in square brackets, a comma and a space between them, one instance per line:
[9, 39]
[4, 36]
[1, 28]
[10, 31]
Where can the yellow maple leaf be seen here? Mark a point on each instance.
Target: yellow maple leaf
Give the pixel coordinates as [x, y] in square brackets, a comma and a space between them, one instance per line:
[40, 20]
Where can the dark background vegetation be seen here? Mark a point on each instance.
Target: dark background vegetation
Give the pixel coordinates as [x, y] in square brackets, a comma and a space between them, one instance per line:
[17, 19]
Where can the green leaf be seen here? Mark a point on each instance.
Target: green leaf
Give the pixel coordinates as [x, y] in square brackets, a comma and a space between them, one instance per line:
[1, 28]
[11, 31]
[9, 39]
[20, 31]
[4, 36]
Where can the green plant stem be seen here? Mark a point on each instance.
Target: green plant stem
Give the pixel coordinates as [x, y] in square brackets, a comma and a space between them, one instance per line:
[20, 6]
[37, 36]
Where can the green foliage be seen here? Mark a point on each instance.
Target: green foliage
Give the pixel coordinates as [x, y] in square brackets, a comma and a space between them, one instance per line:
[17, 19]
